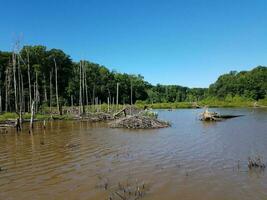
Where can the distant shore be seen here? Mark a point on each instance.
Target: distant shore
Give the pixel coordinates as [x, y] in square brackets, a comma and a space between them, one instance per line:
[71, 113]
[205, 103]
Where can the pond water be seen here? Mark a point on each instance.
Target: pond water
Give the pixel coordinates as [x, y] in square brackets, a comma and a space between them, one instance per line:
[190, 160]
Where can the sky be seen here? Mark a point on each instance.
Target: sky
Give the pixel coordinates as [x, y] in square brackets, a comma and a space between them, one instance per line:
[183, 42]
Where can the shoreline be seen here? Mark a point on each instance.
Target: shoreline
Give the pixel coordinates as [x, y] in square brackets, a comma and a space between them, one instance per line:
[11, 117]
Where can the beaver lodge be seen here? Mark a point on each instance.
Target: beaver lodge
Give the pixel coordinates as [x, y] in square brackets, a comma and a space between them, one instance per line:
[213, 116]
[146, 119]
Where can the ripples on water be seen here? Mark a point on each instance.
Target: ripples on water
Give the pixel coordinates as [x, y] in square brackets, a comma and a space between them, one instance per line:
[190, 160]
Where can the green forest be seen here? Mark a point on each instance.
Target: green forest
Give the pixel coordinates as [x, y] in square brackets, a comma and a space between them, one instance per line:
[49, 77]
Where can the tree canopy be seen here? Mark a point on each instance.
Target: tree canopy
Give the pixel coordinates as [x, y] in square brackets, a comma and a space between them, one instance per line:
[35, 68]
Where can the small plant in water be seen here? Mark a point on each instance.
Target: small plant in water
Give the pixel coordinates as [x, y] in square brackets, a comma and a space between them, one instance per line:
[256, 162]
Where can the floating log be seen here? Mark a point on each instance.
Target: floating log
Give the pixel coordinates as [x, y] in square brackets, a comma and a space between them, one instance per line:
[229, 116]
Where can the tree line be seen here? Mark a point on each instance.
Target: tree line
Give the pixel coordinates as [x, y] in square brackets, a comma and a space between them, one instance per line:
[50, 78]
[247, 84]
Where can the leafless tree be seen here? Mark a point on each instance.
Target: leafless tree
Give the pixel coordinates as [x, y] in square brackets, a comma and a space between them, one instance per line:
[56, 84]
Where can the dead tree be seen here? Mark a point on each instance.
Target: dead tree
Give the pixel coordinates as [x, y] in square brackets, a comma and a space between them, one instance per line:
[45, 92]
[86, 88]
[29, 79]
[8, 78]
[21, 87]
[80, 94]
[131, 97]
[56, 85]
[32, 115]
[14, 80]
[51, 91]
[37, 94]
[117, 98]
[71, 99]
[20, 92]
[23, 94]
[113, 102]
[108, 103]
[83, 87]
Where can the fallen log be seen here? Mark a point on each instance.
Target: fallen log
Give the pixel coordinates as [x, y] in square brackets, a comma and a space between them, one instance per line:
[120, 112]
[229, 116]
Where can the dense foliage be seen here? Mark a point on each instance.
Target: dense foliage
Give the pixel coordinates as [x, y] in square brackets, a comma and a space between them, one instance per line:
[38, 63]
[249, 84]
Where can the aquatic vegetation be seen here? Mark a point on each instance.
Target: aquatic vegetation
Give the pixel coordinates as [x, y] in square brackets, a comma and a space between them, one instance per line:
[255, 162]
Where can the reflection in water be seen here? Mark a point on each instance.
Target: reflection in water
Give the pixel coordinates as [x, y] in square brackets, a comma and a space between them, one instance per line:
[190, 160]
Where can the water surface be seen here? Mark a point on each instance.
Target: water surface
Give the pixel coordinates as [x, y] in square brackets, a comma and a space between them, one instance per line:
[191, 160]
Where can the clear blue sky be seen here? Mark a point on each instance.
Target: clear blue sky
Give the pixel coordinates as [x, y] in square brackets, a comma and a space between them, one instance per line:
[189, 42]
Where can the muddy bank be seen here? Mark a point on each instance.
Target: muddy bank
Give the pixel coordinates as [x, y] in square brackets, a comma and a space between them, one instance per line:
[128, 117]
[8, 123]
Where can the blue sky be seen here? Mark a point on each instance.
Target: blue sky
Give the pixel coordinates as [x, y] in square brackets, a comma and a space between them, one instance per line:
[189, 42]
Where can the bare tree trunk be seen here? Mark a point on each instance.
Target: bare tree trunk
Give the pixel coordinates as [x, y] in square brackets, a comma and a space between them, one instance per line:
[56, 85]
[87, 98]
[117, 98]
[83, 84]
[8, 88]
[80, 96]
[113, 102]
[45, 92]
[86, 88]
[109, 94]
[131, 97]
[37, 97]
[14, 79]
[21, 84]
[23, 94]
[51, 90]
[7, 83]
[34, 91]
[6, 92]
[108, 104]
[20, 93]
[131, 93]
[29, 80]
[32, 115]
[71, 97]
[83, 87]
[96, 103]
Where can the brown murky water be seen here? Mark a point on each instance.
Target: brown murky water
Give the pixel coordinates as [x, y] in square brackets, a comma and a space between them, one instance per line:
[190, 160]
